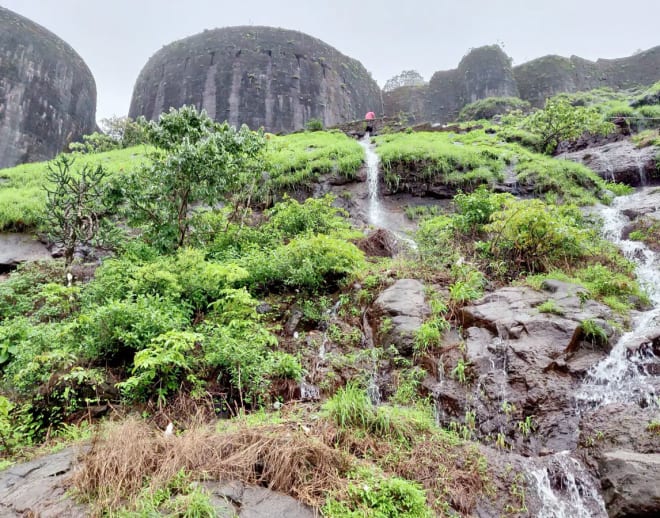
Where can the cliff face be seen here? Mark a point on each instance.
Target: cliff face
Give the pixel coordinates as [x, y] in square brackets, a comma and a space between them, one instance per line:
[260, 76]
[487, 72]
[47, 93]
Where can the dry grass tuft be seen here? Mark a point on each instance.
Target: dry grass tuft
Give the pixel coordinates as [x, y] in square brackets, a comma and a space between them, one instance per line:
[280, 457]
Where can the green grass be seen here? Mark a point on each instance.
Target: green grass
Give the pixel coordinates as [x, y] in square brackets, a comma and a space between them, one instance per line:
[22, 194]
[299, 159]
[467, 160]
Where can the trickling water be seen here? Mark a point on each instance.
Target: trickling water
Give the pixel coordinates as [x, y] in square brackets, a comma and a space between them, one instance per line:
[375, 208]
[643, 180]
[571, 492]
[623, 376]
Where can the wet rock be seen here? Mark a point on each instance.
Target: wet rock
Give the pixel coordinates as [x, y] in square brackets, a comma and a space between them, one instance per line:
[405, 304]
[524, 364]
[620, 162]
[295, 317]
[37, 488]
[20, 248]
[237, 499]
[630, 483]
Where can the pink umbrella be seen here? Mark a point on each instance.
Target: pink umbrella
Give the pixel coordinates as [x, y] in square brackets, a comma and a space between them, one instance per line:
[370, 116]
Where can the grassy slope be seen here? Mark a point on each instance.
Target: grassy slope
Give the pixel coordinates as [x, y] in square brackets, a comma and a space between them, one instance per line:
[22, 196]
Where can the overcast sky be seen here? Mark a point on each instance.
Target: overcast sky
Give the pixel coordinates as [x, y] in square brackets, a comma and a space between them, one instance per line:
[117, 37]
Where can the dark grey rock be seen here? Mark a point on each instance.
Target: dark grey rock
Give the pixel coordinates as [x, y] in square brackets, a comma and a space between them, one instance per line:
[259, 76]
[404, 303]
[37, 487]
[47, 92]
[19, 248]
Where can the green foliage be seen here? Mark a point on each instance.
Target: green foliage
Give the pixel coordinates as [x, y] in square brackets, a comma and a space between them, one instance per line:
[533, 236]
[490, 107]
[350, 408]
[309, 262]
[114, 331]
[374, 496]
[560, 120]
[22, 192]
[75, 206]
[118, 133]
[161, 366]
[593, 332]
[8, 433]
[435, 241]
[475, 209]
[468, 284]
[550, 306]
[289, 218]
[196, 161]
[314, 125]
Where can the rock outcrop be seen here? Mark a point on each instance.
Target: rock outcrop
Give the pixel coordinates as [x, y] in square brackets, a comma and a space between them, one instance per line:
[404, 303]
[20, 248]
[259, 76]
[620, 161]
[47, 93]
[487, 72]
[524, 362]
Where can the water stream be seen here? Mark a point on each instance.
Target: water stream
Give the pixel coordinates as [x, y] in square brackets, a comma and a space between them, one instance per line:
[623, 375]
[375, 207]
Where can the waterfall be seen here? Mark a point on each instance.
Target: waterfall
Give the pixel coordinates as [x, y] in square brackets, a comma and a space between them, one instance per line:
[622, 376]
[565, 489]
[375, 207]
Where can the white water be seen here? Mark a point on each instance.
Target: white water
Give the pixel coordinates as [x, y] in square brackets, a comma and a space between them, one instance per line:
[570, 497]
[375, 207]
[623, 376]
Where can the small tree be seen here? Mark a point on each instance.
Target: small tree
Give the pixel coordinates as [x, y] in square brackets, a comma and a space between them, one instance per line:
[196, 161]
[562, 121]
[74, 204]
[405, 78]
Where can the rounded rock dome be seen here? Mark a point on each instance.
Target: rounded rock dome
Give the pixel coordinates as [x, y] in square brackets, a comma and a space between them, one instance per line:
[260, 76]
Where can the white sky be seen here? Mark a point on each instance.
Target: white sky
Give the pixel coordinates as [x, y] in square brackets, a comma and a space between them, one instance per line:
[117, 37]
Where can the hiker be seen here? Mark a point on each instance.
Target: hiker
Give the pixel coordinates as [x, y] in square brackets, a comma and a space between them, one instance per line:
[370, 118]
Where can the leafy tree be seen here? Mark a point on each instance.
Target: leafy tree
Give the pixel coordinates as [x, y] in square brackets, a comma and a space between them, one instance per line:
[562, 121]
[405, 78]
[75, 204]
[118, 133]
[196, 161]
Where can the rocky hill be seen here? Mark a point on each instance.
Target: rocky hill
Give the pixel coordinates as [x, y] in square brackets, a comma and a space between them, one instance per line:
[487, 72]
[260, 76]
[47, 93]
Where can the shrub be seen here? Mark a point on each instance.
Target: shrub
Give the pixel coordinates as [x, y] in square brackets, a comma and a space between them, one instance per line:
[309, 262]
[160, 368]
[491, 106]
[114, 331]
[314, 125]
[534, 237]
[374, 496]
[315, 216]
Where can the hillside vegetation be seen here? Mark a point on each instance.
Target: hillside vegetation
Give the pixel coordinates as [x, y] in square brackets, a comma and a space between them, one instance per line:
[246, 318]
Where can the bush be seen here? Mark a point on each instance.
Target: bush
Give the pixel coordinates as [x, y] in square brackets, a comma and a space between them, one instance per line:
[374, 496]
[491, 106]
[114, 331]
[315, 216]
[534, 237]
[305, 262]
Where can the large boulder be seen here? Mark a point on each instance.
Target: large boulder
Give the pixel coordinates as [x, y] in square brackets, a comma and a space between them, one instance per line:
[259, 76]
[37, 488]
[620, 445]
[405, 305]
[47, 93]
[619, 161]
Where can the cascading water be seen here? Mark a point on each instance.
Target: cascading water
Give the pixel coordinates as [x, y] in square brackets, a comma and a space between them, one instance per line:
[565, 490]
[375, 207]
[622, 376]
